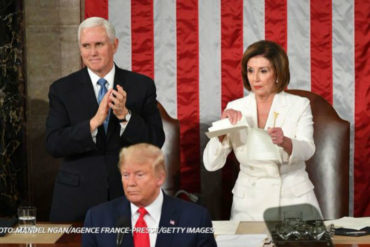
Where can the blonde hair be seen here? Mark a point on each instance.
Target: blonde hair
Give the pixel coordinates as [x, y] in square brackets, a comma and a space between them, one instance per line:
[143, 153]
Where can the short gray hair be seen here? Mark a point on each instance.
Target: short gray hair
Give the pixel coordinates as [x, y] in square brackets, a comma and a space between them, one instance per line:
[97, 21]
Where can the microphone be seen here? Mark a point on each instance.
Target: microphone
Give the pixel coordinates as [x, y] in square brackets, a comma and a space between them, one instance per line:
[192, 197]
[122, 222]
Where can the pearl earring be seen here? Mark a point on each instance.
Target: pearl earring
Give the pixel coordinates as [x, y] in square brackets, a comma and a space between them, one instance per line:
[276, 81]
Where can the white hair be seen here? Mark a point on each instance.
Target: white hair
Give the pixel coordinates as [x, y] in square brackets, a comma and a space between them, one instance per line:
[97, 21]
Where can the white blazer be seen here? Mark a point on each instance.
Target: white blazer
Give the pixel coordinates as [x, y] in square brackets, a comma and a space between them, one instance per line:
[262, 183]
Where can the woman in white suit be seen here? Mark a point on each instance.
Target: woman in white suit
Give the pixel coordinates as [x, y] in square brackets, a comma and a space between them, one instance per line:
[265, 182]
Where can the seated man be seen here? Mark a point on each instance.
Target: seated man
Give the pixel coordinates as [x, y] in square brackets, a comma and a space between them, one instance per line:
[166, 221]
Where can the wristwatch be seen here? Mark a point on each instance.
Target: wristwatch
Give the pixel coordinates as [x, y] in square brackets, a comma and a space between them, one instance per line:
[126, 118]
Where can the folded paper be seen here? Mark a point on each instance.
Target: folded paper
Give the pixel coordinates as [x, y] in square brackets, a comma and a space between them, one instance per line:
[223, 127]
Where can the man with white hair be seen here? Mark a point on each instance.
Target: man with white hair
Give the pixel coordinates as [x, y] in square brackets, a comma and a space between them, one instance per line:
[93, 113]
[151, 218]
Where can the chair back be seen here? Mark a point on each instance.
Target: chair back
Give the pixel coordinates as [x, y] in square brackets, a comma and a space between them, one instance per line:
[328, 169]
[171, 152]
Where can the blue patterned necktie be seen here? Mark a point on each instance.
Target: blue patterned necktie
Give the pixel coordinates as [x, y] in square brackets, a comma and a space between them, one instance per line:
[103, 90]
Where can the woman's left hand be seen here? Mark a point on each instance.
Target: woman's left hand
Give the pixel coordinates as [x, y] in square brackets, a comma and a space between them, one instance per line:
[278, 138]
[277, 135]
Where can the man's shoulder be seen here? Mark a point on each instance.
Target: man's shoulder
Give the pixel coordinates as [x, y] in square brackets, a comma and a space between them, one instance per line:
[68, 80]
[132, 76]
[107, 213]
[109, 206]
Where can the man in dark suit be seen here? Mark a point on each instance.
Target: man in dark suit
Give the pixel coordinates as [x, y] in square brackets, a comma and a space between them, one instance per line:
[93, 113]
[153, 218]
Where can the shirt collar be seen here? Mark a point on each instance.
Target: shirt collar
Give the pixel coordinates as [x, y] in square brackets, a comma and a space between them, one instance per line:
[154, 209]
[109, 77]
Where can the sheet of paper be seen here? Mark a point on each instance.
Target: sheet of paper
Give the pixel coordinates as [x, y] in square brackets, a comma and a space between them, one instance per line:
[350, 222]
[215, 133]
[245, 240]
[260, 146]
[221, 227]
[223, 126]
[258, 141]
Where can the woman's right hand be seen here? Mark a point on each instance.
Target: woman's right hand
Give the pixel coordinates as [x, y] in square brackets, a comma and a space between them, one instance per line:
[233, 116]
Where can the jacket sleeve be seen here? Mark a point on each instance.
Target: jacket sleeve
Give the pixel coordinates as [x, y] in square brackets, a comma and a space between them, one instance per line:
[206, 239]
[62, 137]
[215, 153]
[303, 143]
[145, 126]
[88, 239]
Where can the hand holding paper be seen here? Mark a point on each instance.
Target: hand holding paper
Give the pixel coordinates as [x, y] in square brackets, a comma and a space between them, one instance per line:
[233, 115]
[224, 126]
[277, 135]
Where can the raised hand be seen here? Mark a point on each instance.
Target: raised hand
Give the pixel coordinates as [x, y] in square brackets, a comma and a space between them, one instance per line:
[277, 135]
[278, 138]
[102, 112]
[233, 115]
[117, 102]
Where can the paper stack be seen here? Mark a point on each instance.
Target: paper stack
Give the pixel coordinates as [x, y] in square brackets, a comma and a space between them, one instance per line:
[350, 222]
[223, 127]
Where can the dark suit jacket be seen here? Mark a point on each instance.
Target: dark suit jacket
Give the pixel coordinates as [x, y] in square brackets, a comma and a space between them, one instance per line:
[175, 213]
[88, 174]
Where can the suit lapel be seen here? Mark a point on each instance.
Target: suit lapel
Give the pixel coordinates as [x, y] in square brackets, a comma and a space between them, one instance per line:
[89, 100]
[119, 79]
[252, 111]
[124, 210]
[86, 93]
[169, 219]
[280, 106]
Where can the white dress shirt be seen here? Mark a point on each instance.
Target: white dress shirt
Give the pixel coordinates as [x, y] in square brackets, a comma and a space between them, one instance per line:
[110, 82]
[152, 218]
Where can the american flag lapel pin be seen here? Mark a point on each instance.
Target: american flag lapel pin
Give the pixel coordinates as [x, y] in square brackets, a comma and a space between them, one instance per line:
[172, 222]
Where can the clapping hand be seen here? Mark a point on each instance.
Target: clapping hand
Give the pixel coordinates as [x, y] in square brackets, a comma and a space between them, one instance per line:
[102, 112]
[117, 102]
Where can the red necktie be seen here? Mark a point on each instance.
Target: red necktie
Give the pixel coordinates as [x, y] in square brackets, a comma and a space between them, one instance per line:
[141, 235]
